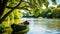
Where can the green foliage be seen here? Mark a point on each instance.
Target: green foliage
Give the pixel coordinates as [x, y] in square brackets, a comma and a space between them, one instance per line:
[58, 6]
[12, 3]
[46, 4]
[5, 30]
[48, 13]
[56, 13]
[54, 2]
[16, 14]
[12, 12]
[36, 12]
[28, 4]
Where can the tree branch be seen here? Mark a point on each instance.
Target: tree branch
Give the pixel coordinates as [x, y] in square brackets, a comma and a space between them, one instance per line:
[16, 7]
[22, 8]
[4, 17]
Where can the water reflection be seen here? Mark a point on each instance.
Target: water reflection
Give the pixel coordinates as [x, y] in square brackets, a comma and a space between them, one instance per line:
[43, 26]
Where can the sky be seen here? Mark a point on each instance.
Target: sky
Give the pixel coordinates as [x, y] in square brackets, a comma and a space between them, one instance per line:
[58, 2]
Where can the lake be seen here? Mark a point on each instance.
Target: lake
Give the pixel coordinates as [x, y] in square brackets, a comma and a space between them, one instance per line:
[43, 26]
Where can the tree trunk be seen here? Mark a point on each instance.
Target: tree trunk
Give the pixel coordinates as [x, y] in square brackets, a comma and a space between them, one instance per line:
[3, 18]
[3, 4]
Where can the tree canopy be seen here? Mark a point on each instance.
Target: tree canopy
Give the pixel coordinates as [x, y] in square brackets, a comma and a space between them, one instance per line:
[30, 5]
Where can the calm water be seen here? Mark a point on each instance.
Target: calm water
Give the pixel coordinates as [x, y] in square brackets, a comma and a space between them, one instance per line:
[43, 26]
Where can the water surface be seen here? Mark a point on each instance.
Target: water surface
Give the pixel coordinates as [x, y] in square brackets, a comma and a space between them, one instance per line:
[43, 26]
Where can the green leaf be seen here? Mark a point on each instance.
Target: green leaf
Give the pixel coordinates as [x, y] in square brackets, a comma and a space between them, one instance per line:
[54, 2]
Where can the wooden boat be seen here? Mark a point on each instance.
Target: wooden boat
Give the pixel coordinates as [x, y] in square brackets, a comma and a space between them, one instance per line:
[20, 29]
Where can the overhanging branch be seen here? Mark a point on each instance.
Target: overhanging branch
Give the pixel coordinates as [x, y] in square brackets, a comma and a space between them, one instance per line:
[16, 7]
[3, 18]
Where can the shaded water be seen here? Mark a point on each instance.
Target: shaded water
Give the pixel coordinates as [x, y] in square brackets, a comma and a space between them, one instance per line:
[43, 26]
